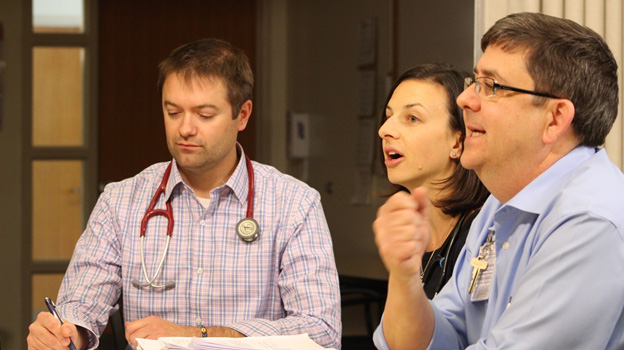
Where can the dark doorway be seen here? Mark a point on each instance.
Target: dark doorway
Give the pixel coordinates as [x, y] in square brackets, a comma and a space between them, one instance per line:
[134, 36]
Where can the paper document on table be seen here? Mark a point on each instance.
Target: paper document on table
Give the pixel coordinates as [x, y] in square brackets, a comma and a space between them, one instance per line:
[164, 343]
[279, 342]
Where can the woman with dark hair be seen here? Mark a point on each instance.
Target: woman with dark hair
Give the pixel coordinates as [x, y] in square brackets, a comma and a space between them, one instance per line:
[422, 133]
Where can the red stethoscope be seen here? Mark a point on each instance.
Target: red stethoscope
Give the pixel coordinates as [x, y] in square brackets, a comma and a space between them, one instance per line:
[247, 228]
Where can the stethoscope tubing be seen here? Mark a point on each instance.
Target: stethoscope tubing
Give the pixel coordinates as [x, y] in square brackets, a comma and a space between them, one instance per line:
[252, 188]
[454, 235]
[150, 282]
[168, 213]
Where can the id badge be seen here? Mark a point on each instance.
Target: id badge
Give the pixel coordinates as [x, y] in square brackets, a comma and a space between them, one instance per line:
[484, 278]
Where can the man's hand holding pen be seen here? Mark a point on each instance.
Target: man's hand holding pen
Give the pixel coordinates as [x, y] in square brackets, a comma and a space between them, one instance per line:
[50, 332]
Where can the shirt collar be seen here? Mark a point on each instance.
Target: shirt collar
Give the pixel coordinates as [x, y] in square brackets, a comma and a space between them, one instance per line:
[238, 182]
[175, 178]
[535, 196]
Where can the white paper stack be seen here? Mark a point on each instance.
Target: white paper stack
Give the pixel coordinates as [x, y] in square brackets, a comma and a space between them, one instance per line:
[280, 342]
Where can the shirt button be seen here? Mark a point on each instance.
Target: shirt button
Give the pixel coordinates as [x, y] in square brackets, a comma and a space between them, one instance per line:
[506, 245]
[200, 271]
[203, 222]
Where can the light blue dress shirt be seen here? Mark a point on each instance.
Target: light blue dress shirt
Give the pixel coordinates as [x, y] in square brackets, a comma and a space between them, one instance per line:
[559, 276]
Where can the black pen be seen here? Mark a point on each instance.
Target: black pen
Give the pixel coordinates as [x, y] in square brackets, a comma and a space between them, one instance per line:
[52, 308]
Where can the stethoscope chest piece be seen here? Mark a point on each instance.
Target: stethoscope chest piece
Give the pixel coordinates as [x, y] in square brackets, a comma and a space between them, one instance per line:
[248, 229]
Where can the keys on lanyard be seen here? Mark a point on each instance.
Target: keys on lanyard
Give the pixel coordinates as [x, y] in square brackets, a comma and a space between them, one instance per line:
[478, 264]
[481, 275]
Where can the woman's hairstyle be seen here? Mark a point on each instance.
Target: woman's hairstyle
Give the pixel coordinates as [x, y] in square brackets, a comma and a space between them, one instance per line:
[465, 189]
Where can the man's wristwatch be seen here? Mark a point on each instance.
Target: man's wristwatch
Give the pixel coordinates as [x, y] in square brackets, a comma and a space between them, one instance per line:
[203, 330]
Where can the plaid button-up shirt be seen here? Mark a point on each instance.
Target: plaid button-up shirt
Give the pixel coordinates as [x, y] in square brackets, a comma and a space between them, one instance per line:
[285, 282]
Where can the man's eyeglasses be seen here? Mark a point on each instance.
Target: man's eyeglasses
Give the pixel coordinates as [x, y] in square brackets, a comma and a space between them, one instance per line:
[487, 87]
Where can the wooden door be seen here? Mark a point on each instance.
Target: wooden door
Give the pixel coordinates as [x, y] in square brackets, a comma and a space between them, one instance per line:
[134, 36]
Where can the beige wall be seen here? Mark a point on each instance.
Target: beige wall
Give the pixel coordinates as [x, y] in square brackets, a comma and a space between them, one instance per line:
[435, 31]
[323, 81]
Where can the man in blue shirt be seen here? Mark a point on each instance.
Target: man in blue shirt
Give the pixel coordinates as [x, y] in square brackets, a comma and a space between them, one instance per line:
[543, 265]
